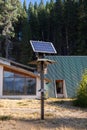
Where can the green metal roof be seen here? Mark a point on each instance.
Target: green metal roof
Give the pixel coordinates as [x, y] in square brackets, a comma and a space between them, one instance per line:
[68, 68]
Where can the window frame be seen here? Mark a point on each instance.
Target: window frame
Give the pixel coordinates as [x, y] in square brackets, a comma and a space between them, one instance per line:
[20, 76]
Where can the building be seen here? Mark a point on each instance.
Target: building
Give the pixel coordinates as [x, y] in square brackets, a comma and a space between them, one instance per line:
[18, 81]
[65, 75]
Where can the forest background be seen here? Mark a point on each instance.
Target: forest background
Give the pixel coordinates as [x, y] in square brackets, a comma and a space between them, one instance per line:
[62, 22]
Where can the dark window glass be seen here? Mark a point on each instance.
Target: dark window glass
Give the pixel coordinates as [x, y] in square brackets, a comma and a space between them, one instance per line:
[8, 74]
[18, 75]
[15, 84]
[31, 83]
[8, 86]
[19, 86]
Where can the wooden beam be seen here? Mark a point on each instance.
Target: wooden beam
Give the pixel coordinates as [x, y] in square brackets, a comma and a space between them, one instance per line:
[19, 71]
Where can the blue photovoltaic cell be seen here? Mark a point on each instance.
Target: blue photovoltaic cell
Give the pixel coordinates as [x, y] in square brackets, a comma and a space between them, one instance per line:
[43, 47]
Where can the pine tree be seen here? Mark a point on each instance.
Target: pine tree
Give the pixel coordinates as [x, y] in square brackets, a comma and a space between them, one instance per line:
[10, 11]
[71, 23]
[33, 21]
[58, 22]
[61, 22]
[82, 28]
[51, 20]
[24, 5]
[43, 16]
[25, 49]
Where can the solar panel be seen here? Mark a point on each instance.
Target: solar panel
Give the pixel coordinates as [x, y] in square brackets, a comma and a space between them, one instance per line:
[43, 47]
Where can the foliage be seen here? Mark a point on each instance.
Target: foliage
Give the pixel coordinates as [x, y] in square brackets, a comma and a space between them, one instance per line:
[9, 14]
[81, 99]
[82, 27]
[63, 22]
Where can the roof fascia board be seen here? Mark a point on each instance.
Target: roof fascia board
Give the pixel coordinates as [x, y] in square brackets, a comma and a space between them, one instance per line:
[19, 70]
[4, 62]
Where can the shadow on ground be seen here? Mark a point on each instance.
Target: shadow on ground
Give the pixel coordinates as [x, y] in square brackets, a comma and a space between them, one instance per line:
[68, 104]
[57, 123]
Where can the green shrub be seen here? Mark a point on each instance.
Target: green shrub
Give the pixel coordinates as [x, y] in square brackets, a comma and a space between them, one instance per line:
[81, 99]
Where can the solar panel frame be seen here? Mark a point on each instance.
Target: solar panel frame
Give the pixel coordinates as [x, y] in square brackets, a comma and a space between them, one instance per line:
[43, 47]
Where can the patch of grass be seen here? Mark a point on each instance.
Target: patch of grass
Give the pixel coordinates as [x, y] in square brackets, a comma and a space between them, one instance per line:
[22, 104]
[60, 102]
[35, 113]
[19, 103]
[29, 100]
[6, 117]
[49, 114]
[1, 105]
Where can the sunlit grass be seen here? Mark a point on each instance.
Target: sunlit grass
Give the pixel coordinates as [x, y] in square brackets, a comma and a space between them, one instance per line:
[1, 105]
[22, 103]
[57, 113]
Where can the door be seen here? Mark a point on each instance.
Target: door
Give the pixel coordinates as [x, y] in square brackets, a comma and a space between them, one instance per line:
[59, 88]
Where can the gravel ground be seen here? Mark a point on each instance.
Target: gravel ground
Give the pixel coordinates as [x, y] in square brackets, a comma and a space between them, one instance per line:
[60, 114]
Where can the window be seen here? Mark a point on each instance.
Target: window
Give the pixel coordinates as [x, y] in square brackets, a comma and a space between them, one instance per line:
[30, 86]
[15, 84]
[8, 88]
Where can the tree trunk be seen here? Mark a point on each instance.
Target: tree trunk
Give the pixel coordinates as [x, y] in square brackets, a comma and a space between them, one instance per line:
[67, 41]
[7, 42]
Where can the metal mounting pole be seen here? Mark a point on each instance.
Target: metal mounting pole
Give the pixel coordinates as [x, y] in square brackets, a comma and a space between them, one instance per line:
[38, 47]
[42, 90]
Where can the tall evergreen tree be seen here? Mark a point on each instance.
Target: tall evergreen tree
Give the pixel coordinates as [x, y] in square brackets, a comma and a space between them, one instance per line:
[63, 22]
[51, 20]
[25, 49]
[58, 22]
[33, 21]
[10, 13]
[82, 28]
[24, 5]
[47, 30]
[71, 23]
